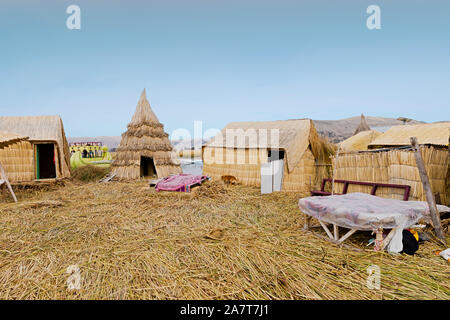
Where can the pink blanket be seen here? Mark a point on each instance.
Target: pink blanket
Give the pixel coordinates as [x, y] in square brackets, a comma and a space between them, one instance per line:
[180, 182]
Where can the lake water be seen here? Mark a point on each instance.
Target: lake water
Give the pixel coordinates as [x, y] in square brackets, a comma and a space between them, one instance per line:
[192, 167]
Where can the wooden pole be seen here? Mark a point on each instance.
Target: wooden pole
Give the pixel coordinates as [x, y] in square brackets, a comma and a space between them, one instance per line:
[4, 177]
[428, 192]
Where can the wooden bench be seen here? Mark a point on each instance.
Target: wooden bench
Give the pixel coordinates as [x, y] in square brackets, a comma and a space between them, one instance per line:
[374, 185]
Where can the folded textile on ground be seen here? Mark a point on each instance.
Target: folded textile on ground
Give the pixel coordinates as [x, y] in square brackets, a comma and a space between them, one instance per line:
[180, 182]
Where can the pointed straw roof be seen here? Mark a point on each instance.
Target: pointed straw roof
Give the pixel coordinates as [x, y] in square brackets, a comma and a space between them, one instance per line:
[144, 113]
[363, 126]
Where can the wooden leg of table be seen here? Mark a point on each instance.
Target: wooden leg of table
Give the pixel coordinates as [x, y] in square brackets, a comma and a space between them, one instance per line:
[379, 239]
[347, 235]
[326, 230]
[307, 223]
[388, 238]
[336, 232]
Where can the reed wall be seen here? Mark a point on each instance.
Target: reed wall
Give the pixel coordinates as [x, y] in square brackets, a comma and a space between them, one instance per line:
[245, 166]
[17, 160]
[395, 166]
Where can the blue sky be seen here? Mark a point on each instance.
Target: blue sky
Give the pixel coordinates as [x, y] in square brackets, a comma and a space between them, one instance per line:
[221, 61]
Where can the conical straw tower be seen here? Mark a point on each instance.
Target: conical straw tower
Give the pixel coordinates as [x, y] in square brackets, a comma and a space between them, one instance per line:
[145, 149]
[363, 126]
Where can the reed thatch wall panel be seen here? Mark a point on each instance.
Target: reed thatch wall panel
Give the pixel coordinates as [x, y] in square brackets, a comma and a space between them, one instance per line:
[243, 164]
[301, 179]
[17, 160]
[395, 166]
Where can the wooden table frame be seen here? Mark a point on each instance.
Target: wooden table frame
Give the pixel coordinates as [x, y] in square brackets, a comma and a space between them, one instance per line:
[334, 237]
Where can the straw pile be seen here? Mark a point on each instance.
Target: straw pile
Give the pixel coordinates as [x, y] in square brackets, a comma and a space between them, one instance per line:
[396, 166]
[145, 137]
[228, 242]
[90, 173]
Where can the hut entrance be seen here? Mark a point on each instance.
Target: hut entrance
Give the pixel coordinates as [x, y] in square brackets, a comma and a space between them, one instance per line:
[148, 168]
[45, 161]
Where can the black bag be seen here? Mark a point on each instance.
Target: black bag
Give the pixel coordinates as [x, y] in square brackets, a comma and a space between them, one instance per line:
[410, 244]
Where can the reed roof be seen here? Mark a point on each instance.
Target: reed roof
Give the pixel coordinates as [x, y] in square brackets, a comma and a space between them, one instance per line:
[143, 113]
[9, 137]
[431, 134]
[292, 136]
[359, 141]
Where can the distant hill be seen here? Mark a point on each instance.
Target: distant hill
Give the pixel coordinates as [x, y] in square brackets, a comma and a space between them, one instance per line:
[339, 130]
[335, 130]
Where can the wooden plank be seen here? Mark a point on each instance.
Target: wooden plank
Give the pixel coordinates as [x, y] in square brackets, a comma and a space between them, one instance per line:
[339, 244]
[307, 223]
[326, 230]
[435, 218]
[336, 232]
[347, 235]
[388, 238]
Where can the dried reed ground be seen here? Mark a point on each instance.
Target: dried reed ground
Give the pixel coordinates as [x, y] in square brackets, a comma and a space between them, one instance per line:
[226, 242]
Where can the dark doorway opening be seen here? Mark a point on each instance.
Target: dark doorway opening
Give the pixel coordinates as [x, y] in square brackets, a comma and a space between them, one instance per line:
[275, 154]
[148, 168]
[45, 161]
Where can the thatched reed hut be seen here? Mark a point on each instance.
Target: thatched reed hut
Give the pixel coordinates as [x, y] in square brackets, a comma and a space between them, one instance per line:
[41, 153]
[243, 147]
[145, 149]
[390, 159]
